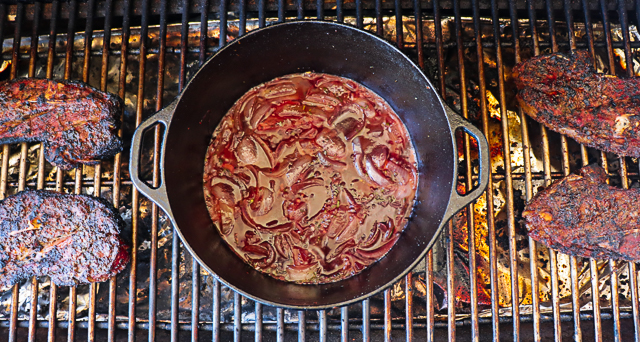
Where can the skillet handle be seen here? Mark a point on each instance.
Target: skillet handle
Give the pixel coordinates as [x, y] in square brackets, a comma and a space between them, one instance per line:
[158, 195]
[456, 201]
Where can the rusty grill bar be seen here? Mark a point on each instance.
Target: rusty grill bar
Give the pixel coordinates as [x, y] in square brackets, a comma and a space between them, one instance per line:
[130, 46]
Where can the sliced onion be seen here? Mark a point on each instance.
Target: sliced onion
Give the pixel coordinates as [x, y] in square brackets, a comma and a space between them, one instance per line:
[263, 111]
[332, 144]
[300, 166]
[374, 174]
[379, 156]
[350, 244]
[295, 211]
[325, 101]
[372, 240]
[284, 89]
[328, 162]
[378, 252]
[262, 201]
[224, 193]
[305, 184]
[351, 111]
[350, 230]
[269, 259]
[302, 273]
[338, 224]
[247, 151]
[246, 217]
[350, 127]
[405, 178]
[265, 148]
[366, 106]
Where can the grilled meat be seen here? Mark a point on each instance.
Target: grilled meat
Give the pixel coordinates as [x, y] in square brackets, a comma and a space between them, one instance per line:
[565, 93]
[583, 216]
[73, 239]
[76, 122]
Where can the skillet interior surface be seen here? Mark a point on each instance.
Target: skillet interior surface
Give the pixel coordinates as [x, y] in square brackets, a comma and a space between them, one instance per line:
[292, 48]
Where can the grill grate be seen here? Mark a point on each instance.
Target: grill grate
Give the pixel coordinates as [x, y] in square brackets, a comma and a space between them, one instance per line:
[467, 49]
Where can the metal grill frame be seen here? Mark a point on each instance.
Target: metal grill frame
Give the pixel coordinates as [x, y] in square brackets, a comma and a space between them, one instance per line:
[130, 9]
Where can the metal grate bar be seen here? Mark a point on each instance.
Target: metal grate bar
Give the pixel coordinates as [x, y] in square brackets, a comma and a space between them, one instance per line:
[195, 270]
[466, 147]
[237, 317]
[379, 17]
[553, 255]
[322, 325]
[175, 243]
[73, 5]
[535, 298]
[624, 25]
[344, 324]
[387, 315]
[399, 24]
[195, 266]
[258, 323]
[359, 18]
[553, 263]
[216, 311]
[366, 321]
[261, 12]
[429, 295]
[88, 37]
[13, 319]
[589, 32]
[154, 209]
[223, 23]
[451, 309]
[632, 271]
[451, 332]
[242, 18]
[429, 262]
[594, 271]
[204, 4]
[51, 333]
[473, 279]
[339, 11]
[33, 311]
[280, 325]
[116, 169]
[489, 192]
[408, 297]
[302, 326]
[319, 10]
[299, 8]
[134, 201]
[573, 263]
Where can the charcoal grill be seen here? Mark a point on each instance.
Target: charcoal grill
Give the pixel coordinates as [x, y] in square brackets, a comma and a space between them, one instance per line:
[145, 50]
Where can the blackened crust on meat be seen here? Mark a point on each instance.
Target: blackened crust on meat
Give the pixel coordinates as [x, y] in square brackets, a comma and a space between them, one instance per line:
[583, 216]
[73, 239]
[77, 123]
[565, 93]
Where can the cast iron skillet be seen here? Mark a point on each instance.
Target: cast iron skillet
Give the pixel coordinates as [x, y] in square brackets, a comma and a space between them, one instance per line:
[292, 48]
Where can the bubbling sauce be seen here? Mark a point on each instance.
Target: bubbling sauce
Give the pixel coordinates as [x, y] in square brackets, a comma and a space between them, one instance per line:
[310, 178]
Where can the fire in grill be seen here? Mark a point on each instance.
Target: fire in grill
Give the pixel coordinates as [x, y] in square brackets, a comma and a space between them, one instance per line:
[146, 50]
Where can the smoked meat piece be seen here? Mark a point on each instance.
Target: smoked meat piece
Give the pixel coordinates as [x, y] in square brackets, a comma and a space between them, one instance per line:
[583, 216]
[77, 123]
[564, 93]
[73, 239]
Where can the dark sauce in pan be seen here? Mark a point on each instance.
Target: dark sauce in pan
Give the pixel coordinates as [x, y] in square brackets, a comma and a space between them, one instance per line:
[310, 178]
